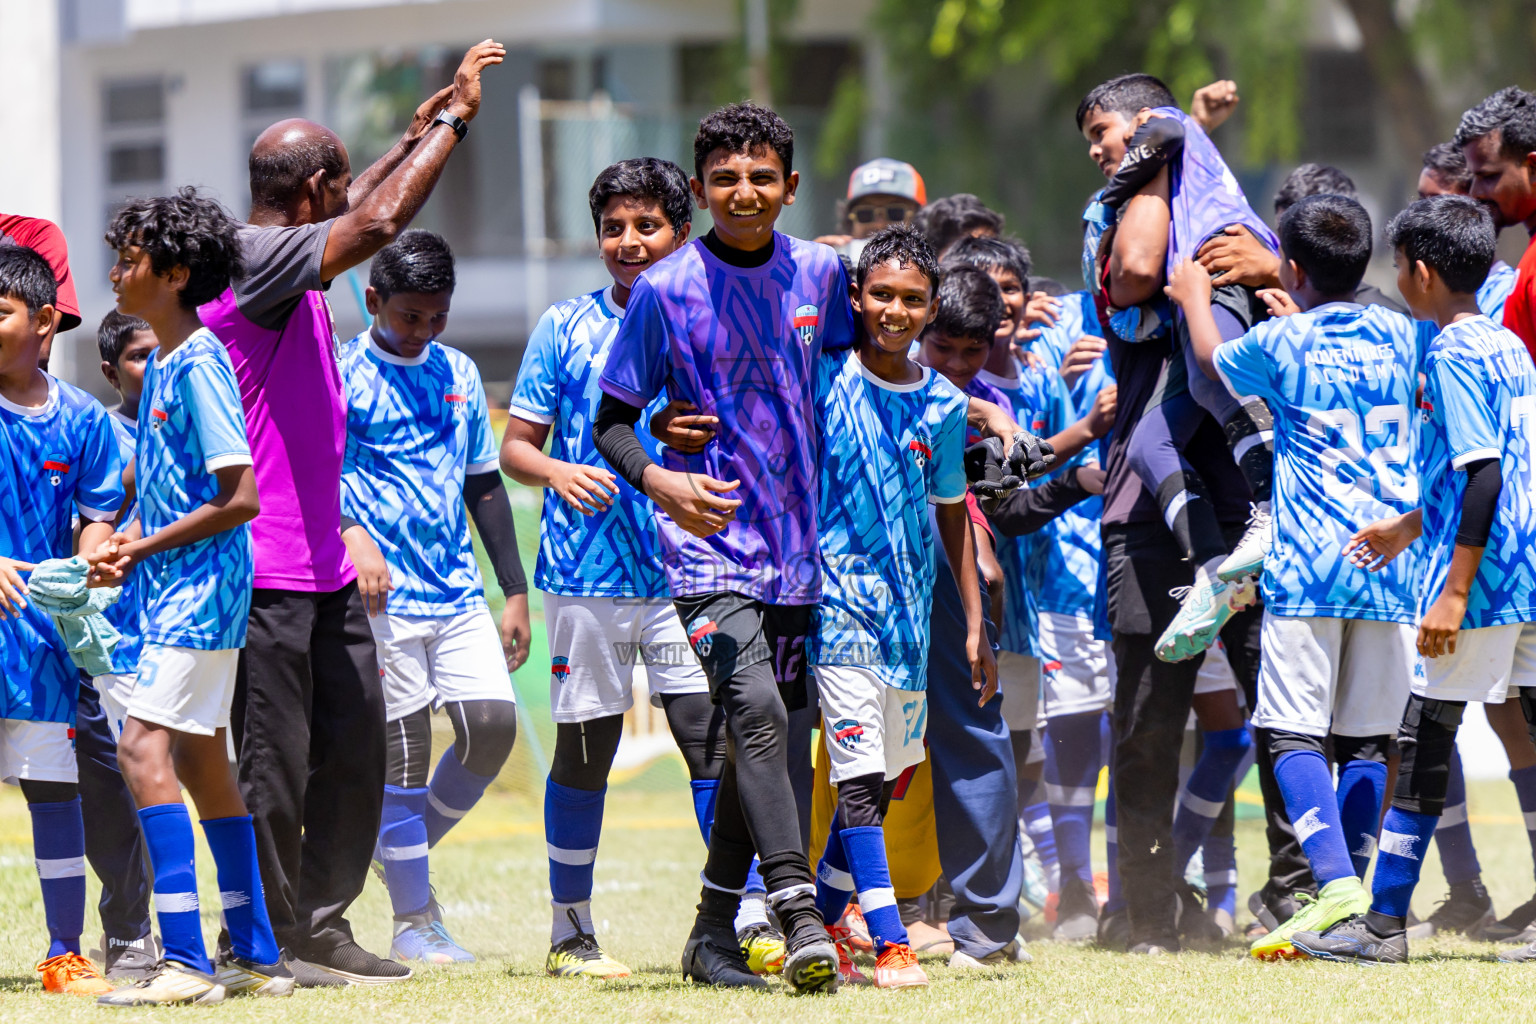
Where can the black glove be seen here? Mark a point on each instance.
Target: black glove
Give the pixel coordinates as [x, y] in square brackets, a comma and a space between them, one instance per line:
[989, 474]
[1029, 457]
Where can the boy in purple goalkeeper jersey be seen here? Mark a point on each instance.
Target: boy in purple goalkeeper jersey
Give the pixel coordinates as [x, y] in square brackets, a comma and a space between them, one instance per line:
[734, 323]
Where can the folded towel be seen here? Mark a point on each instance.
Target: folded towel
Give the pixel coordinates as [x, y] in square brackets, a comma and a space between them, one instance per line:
[58, 587]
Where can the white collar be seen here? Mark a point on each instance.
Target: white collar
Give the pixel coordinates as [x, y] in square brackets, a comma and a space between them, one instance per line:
[390, 357]
[610, 304]
[880, 382]
[35, 410]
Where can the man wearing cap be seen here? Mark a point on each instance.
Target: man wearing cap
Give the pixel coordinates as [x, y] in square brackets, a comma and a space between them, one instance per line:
[880, 193]
[45, 238]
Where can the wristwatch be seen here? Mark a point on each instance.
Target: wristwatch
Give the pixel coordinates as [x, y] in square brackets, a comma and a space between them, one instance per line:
[458, 124]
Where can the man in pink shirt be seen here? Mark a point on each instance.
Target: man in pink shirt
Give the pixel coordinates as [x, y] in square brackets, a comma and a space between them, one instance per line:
[309, 708]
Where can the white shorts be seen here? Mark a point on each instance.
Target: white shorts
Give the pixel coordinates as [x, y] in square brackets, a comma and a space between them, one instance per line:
[595, 643]
[1215, 671]
[1320, 675]
[869, 726]
[436, 659]
[1490, 665]
[184, 689]
[37, 751]
[1077, 672]
[1018, 680]
[114, 691]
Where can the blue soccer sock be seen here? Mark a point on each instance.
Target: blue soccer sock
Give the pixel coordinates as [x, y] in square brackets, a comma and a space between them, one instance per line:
[834, 879]
[1071, 778]
[704, 793]
[1525, 790]
[1114, 898]
[1306, 783]
[573, 824]
[233, 844]
[452, 793]
[1362, 788]
[1205, 792]
[1453, 835]
[168, 834]
[403, 850]
[1220, 855]
[1037, 822]
[1400, 857]
[872, 876]
[58, 845]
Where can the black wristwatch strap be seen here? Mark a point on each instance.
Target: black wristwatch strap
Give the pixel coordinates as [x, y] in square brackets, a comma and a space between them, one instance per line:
[458, 124]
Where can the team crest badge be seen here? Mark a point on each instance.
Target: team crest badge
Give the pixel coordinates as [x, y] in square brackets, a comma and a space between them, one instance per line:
[560, 665]
[806, 319]
[700, 633]
[921, 453]
[56, 467]
[159, 418]
[455, 396]
[848, 733]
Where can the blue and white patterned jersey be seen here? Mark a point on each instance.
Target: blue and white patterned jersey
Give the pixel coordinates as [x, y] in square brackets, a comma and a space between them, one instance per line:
[1480, 403]
[415, 429]
[124, 614]
[887, 451]
[1490, 300]
[614, 552]
[1077, 318]
[1340, 381]
[55, 459]
[191, 424]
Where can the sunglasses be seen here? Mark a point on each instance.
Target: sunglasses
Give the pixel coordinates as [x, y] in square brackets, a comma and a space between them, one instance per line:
[894, 214]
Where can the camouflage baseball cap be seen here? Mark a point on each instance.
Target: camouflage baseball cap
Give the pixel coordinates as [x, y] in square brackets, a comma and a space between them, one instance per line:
[887, 177]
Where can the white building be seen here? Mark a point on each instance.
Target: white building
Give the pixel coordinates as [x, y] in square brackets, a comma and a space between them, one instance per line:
[132, 97]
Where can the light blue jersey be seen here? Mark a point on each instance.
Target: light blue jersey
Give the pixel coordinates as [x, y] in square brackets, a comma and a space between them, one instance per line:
[887, 451]
[1078, 318]
[1340, 381]
[415, 429]
[1490, 300]
[55, 460]
[613, 552]
[191, 424]
[1480, 403]
[124, 614]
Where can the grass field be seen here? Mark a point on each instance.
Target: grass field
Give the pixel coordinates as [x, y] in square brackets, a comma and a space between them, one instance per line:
[491, 877]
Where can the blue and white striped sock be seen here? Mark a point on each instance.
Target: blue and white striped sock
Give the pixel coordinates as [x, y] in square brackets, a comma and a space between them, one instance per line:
[58, 844]
[1205, 792]
[168, 834]
[834, 880]
[573, 824]
[1072, 766]
[452, 793]
[872, 877]
[233, 844]
[403, 850]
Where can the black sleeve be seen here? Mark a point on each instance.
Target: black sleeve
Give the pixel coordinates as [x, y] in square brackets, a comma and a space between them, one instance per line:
[1148, 152]
[492, 512]
[347, 522]
[1480, 502]
[613, 432]
[1030, 508]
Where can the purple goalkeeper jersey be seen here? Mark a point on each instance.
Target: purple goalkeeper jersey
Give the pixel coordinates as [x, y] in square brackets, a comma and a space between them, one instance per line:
[740, 343]
[1206, 197]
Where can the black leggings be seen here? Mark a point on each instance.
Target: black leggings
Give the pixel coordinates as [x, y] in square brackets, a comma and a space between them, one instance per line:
[864, 801]
[483, 734]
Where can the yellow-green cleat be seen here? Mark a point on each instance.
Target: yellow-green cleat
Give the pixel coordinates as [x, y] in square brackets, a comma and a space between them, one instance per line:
[581, 957]
[1340, 899]
[763, 947]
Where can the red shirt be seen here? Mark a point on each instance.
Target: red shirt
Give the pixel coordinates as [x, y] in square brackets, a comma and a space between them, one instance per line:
[1520, 309]
[45, 237]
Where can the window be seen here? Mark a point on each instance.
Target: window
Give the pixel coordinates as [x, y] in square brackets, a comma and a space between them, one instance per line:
[133, 142]
[135, 163]
[134, 103]
[276, 86]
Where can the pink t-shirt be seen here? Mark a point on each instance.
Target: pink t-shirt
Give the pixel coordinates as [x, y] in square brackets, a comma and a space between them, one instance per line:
[282, 341]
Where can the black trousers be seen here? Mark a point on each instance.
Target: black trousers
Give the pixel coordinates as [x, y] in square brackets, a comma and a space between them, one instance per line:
[1152, 704]
[308, 720]
[113, 843]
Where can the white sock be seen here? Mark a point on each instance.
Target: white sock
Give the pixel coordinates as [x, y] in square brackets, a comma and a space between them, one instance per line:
[562, 927]
[753, 910]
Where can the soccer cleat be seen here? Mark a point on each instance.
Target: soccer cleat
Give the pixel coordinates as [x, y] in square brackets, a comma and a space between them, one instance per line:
[1246, 561]
[246, 977]
[858, 929]
[580, 956]
[709, 961]
[1196, 928]
[1013, 953]
[72, 974]
[1077, 912]
[1523, 955]
[307, 975]
[356, 965]
[1204, 610]
[1467, 909]
[842, 939]
[128, 961]
[427, 942]
[1354, 941]
[897, 967]
[813, 967]
[171, 983]
[1340, 899]
[763, 947]
[1114, 930]
[1513, 925]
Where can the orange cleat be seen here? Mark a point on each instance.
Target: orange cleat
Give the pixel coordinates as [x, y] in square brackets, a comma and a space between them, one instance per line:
[858, 929]
[72, 974]
[897, 967]
[841, 937]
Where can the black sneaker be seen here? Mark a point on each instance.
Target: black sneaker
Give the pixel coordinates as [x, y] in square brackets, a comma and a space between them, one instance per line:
[1356, 940]
[1269, 910]
[1195, 926]
[307, 975]
[1467, 909]
[1513, 924]
[355, 965]
[129, 961]
[1077, 912]
[710, 959]
[1114, 931]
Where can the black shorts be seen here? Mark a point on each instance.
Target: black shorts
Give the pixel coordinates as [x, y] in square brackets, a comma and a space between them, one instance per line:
[730, 632]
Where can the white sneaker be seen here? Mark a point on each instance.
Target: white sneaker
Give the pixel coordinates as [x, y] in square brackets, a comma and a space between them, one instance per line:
[1247, 559]
[170, 984]
[1013, 953]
